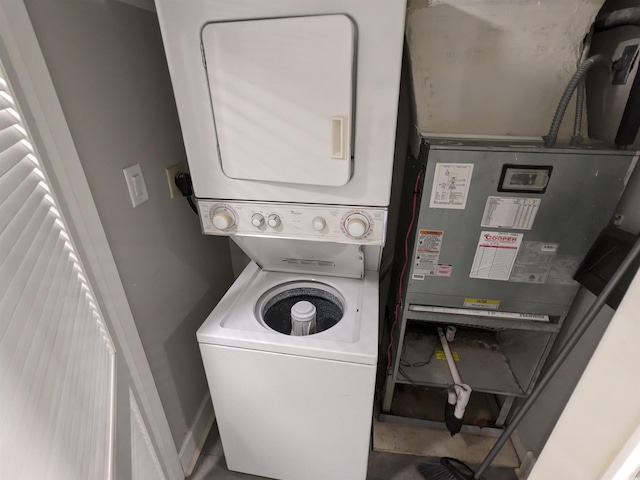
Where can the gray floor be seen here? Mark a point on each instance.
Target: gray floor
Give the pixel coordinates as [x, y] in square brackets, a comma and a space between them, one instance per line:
[382, 466]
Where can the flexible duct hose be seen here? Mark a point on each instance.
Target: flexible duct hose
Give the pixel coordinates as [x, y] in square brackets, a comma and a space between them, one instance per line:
[618, 18]
[551, 138]
[576, 137]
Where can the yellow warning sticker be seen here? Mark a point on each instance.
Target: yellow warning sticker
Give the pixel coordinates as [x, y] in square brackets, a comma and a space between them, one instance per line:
[441, 356]
[482, 303]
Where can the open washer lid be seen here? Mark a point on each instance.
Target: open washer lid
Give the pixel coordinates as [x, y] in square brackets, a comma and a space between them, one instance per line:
[301, 256]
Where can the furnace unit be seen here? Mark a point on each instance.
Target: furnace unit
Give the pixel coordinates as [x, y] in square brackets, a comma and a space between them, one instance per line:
[498, 232]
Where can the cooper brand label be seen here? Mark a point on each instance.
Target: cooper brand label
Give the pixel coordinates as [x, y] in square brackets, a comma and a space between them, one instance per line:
[489, 237]
[481, 303]
[495, 255]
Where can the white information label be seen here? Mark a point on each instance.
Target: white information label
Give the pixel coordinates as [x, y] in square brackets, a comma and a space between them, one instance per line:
[534, 262]
[479, 313]
[451, 183]
[510, 212]
[495, 255]
[427, 254]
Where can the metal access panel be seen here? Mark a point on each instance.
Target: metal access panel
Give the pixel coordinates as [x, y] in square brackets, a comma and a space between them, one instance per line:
[505, 227]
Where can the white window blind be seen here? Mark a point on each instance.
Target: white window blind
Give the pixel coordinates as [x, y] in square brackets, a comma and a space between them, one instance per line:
[57, 360]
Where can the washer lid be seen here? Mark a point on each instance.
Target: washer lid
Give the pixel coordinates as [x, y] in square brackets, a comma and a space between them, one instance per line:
[282, 97]
[302, 256]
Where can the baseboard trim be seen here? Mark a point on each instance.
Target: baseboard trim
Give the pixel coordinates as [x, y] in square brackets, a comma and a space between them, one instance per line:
[196, 436]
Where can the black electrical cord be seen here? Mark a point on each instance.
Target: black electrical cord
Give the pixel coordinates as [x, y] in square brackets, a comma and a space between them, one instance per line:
[183, 182]
[406, 363]
[192, 204]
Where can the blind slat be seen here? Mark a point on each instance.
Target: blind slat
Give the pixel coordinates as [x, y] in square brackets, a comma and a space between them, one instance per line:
[20, 262]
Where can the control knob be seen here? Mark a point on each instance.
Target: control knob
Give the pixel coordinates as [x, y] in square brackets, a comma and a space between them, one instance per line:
[223, 218]
[273, 220]
[257, 220]
[319, 223]
[357, 225]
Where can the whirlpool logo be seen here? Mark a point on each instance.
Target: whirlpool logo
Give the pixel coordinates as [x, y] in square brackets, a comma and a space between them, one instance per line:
[499, 238]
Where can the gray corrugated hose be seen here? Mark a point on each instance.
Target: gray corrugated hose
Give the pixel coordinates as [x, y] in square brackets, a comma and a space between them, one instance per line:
[552, 136]
[576, 137]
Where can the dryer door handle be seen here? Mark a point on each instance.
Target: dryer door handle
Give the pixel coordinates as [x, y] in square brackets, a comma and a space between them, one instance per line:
[339, 137]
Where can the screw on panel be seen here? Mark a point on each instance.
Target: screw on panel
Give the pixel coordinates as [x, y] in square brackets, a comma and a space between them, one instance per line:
[618, 218]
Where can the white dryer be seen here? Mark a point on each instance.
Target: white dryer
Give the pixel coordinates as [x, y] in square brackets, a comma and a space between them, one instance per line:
[287, 100]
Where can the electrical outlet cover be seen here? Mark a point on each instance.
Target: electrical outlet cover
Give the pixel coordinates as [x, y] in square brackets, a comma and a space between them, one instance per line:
[171, 173]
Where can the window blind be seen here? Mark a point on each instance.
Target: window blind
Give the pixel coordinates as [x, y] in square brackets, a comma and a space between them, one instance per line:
[57, 360]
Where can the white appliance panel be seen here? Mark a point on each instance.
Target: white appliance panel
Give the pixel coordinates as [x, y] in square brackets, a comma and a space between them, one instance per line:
[380, 31]
[294, 256]
[320, 223]
[291, 418]
[281, 93]
[354, 339]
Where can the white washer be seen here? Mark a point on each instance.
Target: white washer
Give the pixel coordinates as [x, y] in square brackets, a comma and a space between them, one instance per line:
[293, 407]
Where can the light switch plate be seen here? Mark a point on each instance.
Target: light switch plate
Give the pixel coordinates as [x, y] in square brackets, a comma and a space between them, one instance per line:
[135, 183]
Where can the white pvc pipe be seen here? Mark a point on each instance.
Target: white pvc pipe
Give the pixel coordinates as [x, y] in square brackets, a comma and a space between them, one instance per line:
[450, 361]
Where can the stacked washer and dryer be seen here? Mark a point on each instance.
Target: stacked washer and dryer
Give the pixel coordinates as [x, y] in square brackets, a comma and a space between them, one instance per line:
[288, 110]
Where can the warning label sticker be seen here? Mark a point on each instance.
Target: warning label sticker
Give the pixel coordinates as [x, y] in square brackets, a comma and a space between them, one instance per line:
[507, 212]
[444, 270]
[495, 255]
[451, 183]
[440, 355]
[427, 254]
[534, 262]
[481, 303]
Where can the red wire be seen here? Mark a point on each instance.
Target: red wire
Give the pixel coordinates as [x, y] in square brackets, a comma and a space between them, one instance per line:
[404, 268]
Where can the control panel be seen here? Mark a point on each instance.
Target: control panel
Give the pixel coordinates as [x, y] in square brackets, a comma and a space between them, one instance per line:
[341, 224]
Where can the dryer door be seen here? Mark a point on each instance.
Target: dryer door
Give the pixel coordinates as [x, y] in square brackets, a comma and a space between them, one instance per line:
[282, 97]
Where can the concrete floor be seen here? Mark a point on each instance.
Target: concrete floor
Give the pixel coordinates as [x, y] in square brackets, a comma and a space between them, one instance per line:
[382, 465]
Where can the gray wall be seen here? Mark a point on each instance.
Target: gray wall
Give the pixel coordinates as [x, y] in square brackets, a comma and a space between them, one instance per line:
[107, 64]
[494, 67]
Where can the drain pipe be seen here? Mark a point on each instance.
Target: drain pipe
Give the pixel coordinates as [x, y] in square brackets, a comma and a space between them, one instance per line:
[551, 138]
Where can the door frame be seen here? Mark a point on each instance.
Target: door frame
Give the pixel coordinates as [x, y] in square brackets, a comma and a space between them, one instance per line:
[27, 70]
